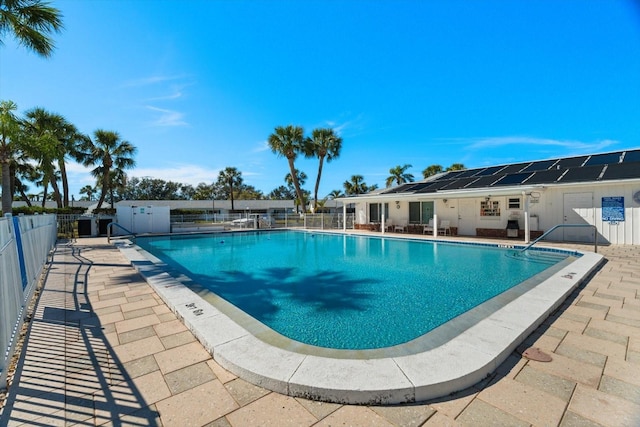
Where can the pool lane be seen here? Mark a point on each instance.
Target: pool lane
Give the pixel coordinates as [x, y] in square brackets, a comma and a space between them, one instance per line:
[407, 375]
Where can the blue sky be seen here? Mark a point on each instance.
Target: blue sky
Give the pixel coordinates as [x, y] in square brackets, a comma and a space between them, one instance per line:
[198, 85]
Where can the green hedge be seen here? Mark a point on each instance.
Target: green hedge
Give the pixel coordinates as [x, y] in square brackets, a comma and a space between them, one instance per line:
[32, 210]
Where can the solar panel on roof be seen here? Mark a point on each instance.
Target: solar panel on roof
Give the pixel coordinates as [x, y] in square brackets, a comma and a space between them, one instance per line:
[604, 159]
[585, 173]
[485, 181]
[631, 156]
[489, 171]
[545, 177]
[514, 168]
[514, 178]
[539, 166]
[469, 172]
[571, 162]
[399, 189]
[456, 184]
[433, 187]
[622, 171]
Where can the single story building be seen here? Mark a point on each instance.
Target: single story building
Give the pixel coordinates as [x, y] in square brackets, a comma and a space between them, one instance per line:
[584, 197]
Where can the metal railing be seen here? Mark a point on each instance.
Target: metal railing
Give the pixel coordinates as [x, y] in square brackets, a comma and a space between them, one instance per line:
[25, 244]
[555, 227]
[110, 228]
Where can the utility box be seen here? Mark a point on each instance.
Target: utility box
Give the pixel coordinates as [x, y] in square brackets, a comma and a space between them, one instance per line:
[143, 219]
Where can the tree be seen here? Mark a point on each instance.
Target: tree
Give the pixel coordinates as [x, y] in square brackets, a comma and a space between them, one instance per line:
[204, 191]
[301, 177]
[456, 167]
[399, 175]
[108, 153]
[9, 147]
[335, 194]
[30, 22]
[282, 193]
[89, 190]
[288, 141]
[230, 178]
[357, 186]
[324, 143]
[431, 170]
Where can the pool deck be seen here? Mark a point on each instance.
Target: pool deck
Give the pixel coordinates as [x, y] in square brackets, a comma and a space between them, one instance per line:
[104, 349]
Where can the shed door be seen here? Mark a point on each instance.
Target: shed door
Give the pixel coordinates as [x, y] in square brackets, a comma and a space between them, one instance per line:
[578, 209]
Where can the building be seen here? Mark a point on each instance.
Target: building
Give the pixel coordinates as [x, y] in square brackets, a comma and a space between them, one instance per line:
[584, 196]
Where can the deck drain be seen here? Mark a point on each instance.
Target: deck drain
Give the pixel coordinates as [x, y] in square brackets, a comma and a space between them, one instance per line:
[534, 353]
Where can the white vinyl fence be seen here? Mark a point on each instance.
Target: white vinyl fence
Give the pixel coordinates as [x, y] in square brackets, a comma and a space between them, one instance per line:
[25, 242]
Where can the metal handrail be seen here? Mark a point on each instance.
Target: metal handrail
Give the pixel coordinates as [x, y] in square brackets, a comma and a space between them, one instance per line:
[595, 236]
[110, 226]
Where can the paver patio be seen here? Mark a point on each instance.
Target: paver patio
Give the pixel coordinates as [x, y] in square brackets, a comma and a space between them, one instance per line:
[103, 349]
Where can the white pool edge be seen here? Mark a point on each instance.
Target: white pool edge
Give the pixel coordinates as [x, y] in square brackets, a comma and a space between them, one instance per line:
[458, 364]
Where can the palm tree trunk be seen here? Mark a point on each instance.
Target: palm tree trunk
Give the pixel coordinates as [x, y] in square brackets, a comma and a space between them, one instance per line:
[105, 188]
[296, 184]
[65, 183]
[315, 191]
[56, 192]
[231, 191]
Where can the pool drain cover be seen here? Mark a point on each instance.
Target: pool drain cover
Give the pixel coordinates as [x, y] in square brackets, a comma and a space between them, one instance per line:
[534, 353]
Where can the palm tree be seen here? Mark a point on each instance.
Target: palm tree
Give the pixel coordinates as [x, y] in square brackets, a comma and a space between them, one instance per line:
[324, 143]
[288, 141]
[456, 167]
[30, 22]
[89, 190]
[399, 175]
[355, 186]
[335, 194]
[229, 178]
[431, 170]
[108, 153]
[9, 147]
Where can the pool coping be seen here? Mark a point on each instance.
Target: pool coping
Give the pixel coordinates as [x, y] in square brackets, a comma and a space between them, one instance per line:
[459, 363]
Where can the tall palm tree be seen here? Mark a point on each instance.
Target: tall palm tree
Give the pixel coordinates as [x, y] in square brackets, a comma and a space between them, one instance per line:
[230, 178]
[9, 146]
[108, 153]
[324, 143]
[30, 22]
[399, 175]
[288, 141]
[51, 139]
[431, 170]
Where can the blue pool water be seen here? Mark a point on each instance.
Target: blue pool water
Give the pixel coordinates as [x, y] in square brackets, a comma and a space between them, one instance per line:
[345, 292]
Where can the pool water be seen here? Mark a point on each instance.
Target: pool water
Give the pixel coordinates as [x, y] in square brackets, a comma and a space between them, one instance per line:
[344, 291]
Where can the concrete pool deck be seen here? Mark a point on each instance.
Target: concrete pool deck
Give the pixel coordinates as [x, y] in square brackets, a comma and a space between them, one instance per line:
[104, 349]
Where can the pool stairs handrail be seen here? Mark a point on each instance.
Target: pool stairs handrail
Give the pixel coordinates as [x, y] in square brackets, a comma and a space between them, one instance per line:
[110, 227]
[555, 227]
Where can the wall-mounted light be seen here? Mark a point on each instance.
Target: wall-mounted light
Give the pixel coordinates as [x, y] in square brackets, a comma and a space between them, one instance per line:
[445, 201]
[486, 199]
[397, 202]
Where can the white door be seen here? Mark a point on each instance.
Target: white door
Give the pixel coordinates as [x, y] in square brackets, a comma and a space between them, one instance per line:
[466, 217]
[578, 209]
[142, 216]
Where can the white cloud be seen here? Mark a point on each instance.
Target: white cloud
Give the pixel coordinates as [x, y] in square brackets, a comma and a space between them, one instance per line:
[185, 174]
[167, 117]
[572, 145]
[151, 80]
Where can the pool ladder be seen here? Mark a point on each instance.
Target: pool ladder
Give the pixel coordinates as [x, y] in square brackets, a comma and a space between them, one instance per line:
[110, 227]
[595, 235]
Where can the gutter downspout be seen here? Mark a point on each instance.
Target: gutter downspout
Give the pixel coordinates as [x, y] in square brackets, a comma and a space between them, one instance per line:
[527, 230]
[344, 216]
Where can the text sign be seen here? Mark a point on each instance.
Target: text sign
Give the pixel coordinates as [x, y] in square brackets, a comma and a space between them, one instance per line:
[613, 208]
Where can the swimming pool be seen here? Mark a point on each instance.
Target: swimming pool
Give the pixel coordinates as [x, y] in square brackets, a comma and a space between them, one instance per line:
[345, 292]
[449, 358]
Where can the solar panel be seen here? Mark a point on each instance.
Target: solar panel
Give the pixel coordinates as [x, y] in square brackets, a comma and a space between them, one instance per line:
[485, 181]
[433, 186]
[469, 172]
[489, 171]
[622, 171]
[571, 162]
[457, 184]
[447, 175]
[604, 159]
[545, 177]
[399, 189]
[539, 166]
[514, 168]
[631, 156]
[514, 178]
[585, 173]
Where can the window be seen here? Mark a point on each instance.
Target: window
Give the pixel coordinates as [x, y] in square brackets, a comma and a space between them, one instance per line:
[514, 203]
[375, 212]
[420, 212]
[490, 208]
